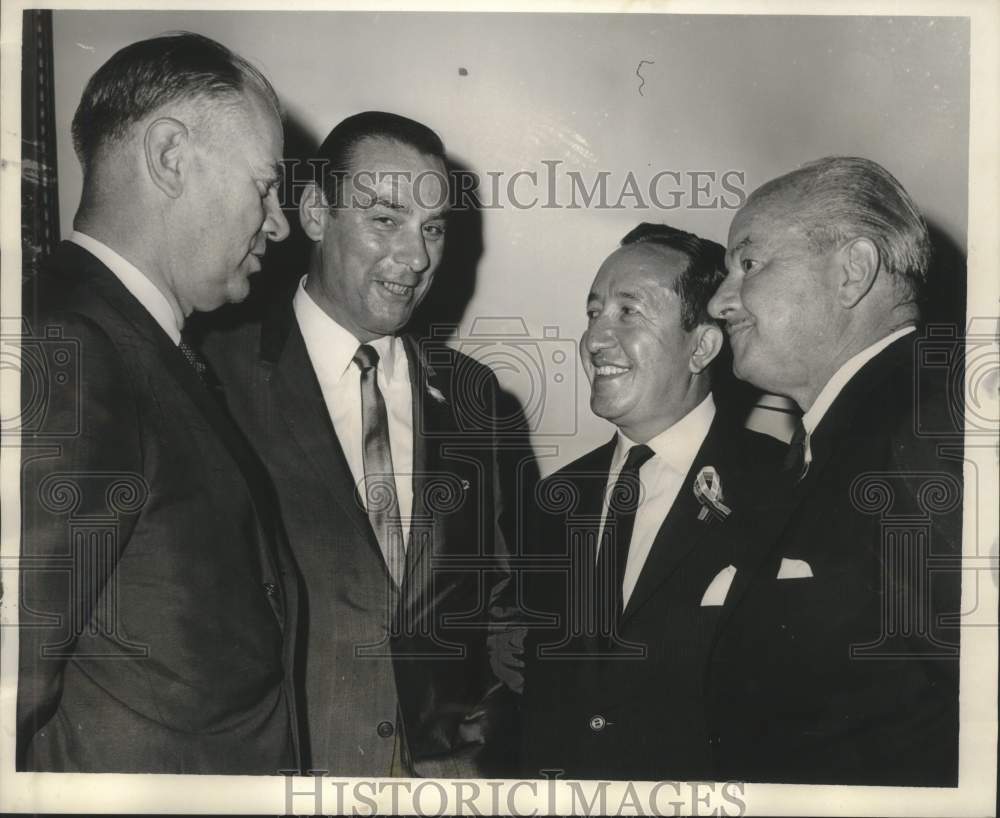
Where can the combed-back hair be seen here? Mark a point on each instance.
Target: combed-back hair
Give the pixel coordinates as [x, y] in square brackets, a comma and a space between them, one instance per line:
[843, 197]
[336, 154]
[698, 281]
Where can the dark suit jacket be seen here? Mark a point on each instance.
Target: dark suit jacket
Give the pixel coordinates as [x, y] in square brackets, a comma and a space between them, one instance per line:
[369, 647]
[639, 713]
[157, 610]
[851, 676]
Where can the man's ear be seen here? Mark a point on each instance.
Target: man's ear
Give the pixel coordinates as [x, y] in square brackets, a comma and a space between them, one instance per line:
[313, 211]
[708, 344]
[164, 144]
[860, 264]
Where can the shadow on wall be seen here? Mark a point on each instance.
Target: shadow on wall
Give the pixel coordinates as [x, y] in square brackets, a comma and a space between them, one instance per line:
[947, 283]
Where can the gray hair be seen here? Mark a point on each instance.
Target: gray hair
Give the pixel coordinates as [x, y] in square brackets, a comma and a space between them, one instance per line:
[842, 197]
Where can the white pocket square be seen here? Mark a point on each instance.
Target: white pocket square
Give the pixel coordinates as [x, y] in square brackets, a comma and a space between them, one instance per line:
[794, 569]
[715, 593]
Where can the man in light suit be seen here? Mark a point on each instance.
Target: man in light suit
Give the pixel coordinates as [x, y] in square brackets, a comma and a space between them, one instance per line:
[838, 662]
[157, 598]
[636, 542]
[385, 466]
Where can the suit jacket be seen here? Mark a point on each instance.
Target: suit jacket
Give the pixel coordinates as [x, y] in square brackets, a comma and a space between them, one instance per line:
[157, 607]
[371, 650]
[638, 713]
[850, 676]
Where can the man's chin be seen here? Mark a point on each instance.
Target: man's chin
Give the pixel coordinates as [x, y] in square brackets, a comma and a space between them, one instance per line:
[604, 408]
[237, 291]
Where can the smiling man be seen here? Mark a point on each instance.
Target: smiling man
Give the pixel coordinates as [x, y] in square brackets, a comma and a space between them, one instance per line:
[639, 538]
[158, 600]
[391, 506]
[840, 663]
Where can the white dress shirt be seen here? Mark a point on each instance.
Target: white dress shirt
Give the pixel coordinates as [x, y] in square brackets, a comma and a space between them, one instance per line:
[834, 386]
[331, 350]
[135, 281]
[662, 480]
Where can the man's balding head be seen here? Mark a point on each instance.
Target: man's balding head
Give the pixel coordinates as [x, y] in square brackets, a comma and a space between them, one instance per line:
[841, 197]
[822, 262]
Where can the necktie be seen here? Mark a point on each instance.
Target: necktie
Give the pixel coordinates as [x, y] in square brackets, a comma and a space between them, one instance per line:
[380, 481]
[198, 364]
[618, 524]
[795, 458]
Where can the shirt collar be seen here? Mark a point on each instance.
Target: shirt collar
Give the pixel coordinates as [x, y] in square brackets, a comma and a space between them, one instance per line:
[678, 445]
[834, 386]
[339, 344]
[136, 282]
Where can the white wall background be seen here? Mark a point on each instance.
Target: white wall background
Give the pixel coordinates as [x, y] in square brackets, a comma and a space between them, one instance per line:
[759, 95]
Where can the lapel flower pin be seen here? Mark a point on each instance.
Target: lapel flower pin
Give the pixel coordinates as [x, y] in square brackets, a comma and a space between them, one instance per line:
[708, 490]
[435, 393]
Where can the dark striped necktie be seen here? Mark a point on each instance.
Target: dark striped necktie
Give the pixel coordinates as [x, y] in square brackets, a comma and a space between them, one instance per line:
[623, 502]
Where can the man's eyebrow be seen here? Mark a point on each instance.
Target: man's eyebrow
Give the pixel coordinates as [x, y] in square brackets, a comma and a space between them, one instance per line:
[631, 295]
[744, 242]
[389, 203]
[733, 251]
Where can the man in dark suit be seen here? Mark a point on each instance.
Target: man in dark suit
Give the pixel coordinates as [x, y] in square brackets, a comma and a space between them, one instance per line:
[386, 468]
[156, 605]
[838, 662]
[637, 542]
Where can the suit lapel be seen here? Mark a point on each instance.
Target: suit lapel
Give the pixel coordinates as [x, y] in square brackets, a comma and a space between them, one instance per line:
[432, 423]
[681, 531]
[296, 397]
[589, 482]
[103, 283]
[775, 508]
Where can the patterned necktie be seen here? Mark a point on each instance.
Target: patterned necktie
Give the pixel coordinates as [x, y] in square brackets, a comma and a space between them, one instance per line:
[795, 458]
[198, 364]
[618, 524]
[380, 481]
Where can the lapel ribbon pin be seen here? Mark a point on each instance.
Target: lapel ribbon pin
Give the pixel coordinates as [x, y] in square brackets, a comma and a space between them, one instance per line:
[708, 490]
[435, 393]
[429, 373]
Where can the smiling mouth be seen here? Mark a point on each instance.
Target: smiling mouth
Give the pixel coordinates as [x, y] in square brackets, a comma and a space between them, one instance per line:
[610, 371]
[399, 290]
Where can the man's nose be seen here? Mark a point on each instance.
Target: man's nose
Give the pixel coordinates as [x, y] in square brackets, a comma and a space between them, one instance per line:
[275, 223]
[598, 336]
[411, 250]
[726, 298]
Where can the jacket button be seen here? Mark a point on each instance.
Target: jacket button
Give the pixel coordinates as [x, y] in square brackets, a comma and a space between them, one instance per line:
[385, 729]
[598, 723]
[714, 739]
[270, 589]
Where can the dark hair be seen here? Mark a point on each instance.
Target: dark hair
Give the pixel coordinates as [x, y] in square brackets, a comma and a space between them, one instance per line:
[841, 197]
[698, 281]
[337, 151]
[147, 75]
